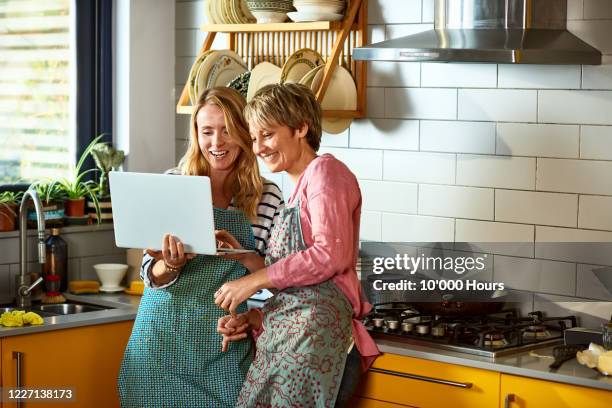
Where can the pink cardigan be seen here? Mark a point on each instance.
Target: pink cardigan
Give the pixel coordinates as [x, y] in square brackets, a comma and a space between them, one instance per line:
[330, 210]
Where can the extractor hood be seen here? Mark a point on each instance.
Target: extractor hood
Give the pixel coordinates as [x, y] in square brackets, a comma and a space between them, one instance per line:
[490, 31]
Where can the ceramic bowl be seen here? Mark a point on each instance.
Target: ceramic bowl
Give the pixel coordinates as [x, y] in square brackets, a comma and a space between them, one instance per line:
[270, 6]
[325, 8]
[264, 17]
[110, 274]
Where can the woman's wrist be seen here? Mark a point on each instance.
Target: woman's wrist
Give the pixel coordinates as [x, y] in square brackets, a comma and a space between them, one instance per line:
[254, 319]
[162, 273]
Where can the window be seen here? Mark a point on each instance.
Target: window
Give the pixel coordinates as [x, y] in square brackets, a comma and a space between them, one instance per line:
[37, 89]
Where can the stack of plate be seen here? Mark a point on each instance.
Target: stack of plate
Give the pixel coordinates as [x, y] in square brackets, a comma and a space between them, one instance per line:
[270, 11]
[213, 68]
[228, 12]
[318, 10]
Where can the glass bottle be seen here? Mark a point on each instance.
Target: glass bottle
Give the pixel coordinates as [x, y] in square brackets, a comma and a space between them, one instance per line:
[55, 270]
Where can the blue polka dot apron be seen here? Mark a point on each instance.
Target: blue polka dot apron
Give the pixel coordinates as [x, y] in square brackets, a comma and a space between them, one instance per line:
[173, 357]
[301, 353]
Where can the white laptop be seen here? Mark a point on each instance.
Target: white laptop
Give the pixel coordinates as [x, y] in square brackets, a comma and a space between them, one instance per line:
[147, 206]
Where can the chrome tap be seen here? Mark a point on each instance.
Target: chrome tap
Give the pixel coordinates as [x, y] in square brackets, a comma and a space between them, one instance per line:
[24, 284]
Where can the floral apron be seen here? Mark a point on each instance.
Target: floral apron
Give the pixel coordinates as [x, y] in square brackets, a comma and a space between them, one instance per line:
[173, 357]
[301, 353]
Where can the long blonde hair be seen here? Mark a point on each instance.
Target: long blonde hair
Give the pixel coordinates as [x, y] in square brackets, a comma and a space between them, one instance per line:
[245, 180]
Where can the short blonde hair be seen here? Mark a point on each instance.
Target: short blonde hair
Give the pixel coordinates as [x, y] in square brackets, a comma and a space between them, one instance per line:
[287, 104]
[246, 182]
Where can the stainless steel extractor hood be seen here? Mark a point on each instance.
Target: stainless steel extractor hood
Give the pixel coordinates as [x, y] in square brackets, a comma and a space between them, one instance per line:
[493, 31]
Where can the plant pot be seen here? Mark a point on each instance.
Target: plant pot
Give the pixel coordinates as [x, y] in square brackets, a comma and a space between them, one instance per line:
[8, 218]
[106, 209]
[75, 208]
[53, 211]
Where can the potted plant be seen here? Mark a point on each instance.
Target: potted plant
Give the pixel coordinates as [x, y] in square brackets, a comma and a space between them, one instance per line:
[52, 198]
[9, 201]
[107, 158]
[75, 189]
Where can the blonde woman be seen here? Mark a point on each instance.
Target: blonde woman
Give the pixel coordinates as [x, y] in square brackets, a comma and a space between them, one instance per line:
[173, 358]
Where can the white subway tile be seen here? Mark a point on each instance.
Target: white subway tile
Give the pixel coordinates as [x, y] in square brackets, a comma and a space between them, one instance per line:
[421, 103]
[596, 142]
[419, 167]
[365, 164]
[596, 33]
[394, 74]
[575, 9]
[598, 76]
[459, 75]
[574, 176]
[389, 197]
[496, 171]
[595, 212]
[375, 102]
[597, 9]
[498, 105]
[592, 280]
[455, 201]
[185, 43]
[574, 245]
[541, 140]
[580, 107]
[413, 228]
[459, 137]
[371, 226]
[402, 30]
[428, 11]
[536, 208]
[539, 76]
[535, 275]
[392, 134]
[190, 14]
[376, 33]
[335, 140]
[486, 231]
[394, 11]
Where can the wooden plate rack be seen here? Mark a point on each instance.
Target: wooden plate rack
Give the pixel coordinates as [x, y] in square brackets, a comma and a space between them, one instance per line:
[274, 43]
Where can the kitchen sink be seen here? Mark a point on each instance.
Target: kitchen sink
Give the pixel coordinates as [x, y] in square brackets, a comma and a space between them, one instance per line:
[67, 308]
[58, 309]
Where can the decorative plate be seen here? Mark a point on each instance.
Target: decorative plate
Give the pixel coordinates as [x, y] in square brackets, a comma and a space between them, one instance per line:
[299, 64]
[219, 68]
[241, 83]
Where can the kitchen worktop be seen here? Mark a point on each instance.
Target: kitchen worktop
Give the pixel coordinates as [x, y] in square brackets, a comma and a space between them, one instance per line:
[125, 307]
[521, 363]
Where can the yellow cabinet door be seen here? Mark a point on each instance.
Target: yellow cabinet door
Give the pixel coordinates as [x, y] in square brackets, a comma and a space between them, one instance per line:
[85, 359]
[423, 383]
[371, 403]
[522, 392]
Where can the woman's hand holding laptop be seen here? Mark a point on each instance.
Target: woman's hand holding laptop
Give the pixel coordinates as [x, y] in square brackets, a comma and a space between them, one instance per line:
[252, 261]
[173, 256]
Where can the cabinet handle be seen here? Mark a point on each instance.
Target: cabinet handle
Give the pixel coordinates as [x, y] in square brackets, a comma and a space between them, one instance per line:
[508, 400]
[422, 378]
[17, 355]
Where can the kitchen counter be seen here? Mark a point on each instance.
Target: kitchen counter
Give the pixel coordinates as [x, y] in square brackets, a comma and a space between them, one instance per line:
[124, 307]
[522, 364]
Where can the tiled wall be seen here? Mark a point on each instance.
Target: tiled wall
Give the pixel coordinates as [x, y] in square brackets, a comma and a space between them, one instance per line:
[87, 246]
[478, 152]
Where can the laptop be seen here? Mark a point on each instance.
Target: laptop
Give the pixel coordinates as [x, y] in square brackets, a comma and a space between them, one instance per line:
[146, 206]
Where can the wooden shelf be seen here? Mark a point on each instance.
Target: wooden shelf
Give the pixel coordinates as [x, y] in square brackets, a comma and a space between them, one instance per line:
[271, 27]
[274, 43]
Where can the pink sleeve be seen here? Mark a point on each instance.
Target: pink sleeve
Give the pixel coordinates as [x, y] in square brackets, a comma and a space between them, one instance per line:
[331, 216]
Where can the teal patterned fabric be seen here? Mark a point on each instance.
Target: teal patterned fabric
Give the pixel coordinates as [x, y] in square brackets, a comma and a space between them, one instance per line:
[307, 331]
[173, 357]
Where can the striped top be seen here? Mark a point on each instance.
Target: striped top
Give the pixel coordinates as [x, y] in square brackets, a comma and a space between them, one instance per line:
[267, 213]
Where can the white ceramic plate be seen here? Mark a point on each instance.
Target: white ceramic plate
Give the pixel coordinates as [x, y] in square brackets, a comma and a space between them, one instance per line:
[218, 69]
[301, 16]
[308, 78]
[112, 290]
[341, 94]
[262, 74]
[191, 79]
[299, 64]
